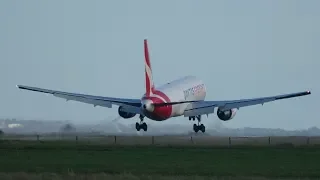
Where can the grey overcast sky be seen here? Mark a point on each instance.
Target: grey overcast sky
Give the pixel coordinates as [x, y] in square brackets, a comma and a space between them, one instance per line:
[241, 49]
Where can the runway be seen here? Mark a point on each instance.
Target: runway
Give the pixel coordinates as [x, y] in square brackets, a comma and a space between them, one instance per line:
[172, 140]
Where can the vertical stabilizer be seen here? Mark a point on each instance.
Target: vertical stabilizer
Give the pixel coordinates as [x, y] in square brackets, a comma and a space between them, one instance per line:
[148, 70]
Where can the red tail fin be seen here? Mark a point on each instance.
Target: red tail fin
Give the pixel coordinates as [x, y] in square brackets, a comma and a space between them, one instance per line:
[148, 70]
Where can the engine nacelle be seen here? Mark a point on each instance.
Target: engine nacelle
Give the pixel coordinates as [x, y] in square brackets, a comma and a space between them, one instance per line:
[124, 114]
[227, 114]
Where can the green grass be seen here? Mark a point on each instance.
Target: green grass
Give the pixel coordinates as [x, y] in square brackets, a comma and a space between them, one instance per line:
[66, 157]
[104, 176]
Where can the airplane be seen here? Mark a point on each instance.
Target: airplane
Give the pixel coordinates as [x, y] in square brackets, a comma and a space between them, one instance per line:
[181, 97]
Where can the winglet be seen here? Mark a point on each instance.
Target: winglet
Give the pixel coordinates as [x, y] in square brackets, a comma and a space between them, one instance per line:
[148, 70]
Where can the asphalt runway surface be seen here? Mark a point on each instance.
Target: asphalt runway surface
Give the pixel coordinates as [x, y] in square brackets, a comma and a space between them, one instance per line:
[173, 140]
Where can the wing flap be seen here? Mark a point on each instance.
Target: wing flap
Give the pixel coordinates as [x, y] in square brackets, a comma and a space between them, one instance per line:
[85, 100]
[199, 111]
[237, 104]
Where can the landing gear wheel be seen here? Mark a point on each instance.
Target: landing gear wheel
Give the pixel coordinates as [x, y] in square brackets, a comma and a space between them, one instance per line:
[141, 125]
[202, 128]
[144, 126]
[197, 127]
[138, 127]
[192, 118]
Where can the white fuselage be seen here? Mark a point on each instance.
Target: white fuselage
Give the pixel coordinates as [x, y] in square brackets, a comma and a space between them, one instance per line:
[188, 88]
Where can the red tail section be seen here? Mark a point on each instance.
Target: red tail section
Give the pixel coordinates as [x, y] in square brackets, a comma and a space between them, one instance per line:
[148, 70]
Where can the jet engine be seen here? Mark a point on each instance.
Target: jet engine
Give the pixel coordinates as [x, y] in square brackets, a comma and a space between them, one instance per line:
[124, 114]
[227, 114]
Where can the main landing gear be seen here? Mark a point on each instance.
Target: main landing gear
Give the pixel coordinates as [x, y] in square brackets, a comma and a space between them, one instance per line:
[197, 127]
[141, 125]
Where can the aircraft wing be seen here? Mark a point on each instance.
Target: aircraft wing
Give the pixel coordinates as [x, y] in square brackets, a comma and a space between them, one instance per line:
[207, 107]
[131, 105]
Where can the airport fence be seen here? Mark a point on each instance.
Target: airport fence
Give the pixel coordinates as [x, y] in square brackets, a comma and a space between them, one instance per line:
[172, 140]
